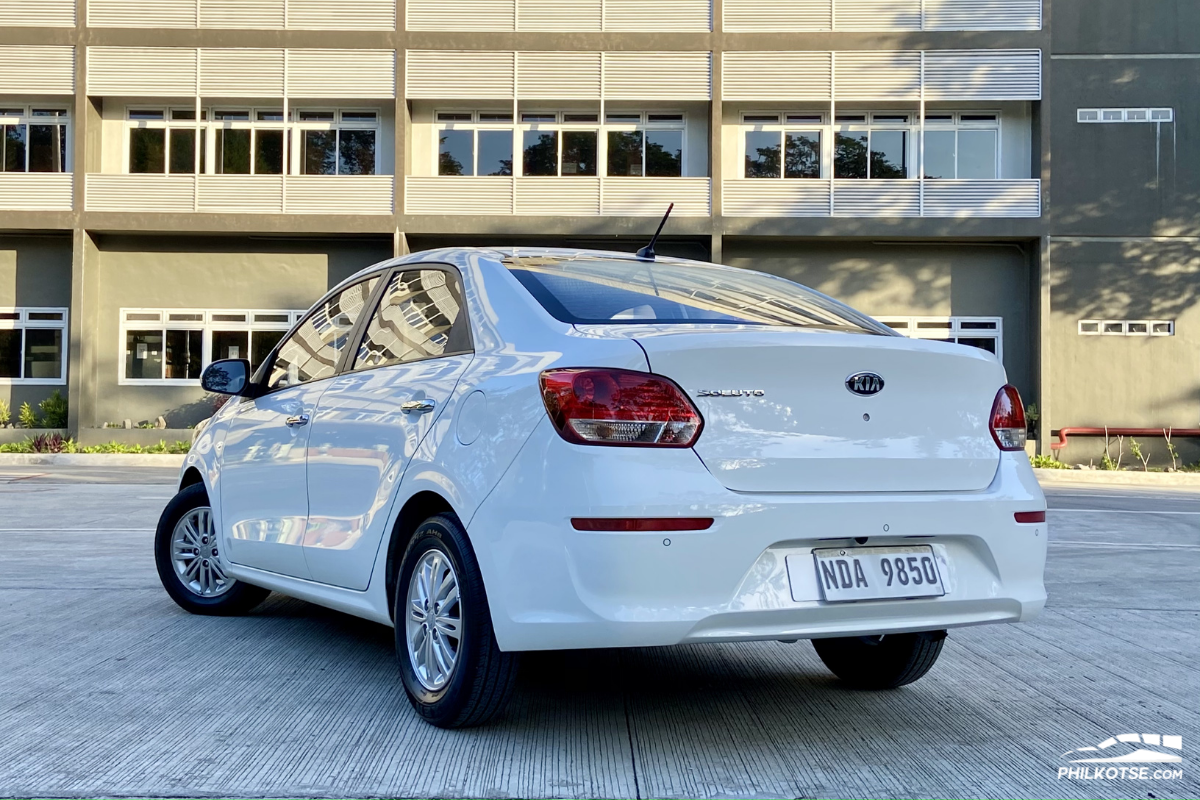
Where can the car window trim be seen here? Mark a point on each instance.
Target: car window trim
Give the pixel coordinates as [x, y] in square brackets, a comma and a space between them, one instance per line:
[260, 377]
[454, 273]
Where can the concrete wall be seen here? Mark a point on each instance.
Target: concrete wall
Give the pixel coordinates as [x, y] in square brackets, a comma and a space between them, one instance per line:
[1137, 179]
[173, 272]
[1126, 381]
[34, 271]
[891, 278]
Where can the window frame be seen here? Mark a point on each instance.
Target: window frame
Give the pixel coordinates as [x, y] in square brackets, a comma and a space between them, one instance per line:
[601, 127]
[27, 117]
[207, 326]
[292, 125]
[909, 327]
[1149, 324]
[871, 121]
[24, 323]
[347, 365]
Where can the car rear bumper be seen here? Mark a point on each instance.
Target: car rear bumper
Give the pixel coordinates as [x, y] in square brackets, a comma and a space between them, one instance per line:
[553, 587]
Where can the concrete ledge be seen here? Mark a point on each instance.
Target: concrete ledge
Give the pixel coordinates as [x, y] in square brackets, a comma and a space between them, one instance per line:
[92, 460]
[1115, 477]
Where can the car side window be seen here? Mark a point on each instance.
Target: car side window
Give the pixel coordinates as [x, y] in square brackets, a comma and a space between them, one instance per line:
[312, 352]
[421, 315]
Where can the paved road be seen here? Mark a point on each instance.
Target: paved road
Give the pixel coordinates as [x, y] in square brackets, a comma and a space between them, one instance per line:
[108, 689]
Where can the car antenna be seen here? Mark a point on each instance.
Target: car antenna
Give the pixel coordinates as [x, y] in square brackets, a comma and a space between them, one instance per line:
[648, 250]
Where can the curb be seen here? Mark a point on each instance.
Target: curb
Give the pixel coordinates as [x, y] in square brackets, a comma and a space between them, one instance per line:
[1109, 478]
[166, 461]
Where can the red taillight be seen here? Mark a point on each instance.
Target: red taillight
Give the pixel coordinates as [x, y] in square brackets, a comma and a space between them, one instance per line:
[1008, 419]
[1026, 517]
[641, 524]
[619, 407]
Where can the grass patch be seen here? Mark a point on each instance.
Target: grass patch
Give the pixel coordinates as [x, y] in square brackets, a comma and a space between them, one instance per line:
[1047, 462]
[53, 443]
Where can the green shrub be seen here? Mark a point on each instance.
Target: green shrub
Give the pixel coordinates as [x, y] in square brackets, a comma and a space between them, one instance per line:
[55, 443]
[54, 411]
[5, 413]
[27, 417]
[1047, 462]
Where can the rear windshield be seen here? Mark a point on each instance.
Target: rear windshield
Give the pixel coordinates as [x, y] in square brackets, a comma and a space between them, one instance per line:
[612, 291]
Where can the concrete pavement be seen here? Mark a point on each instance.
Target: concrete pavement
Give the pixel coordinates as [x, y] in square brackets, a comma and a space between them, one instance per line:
[108, 689]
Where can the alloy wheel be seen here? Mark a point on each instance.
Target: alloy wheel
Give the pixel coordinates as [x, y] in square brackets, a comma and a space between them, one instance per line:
[194, 554]
[434, 620]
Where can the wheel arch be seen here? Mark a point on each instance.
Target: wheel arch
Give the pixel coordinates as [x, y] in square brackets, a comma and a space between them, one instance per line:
[416, 509]
[190, 478]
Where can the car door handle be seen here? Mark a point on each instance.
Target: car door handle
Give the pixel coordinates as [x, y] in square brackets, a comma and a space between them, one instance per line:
[417, 406]
[297, 421]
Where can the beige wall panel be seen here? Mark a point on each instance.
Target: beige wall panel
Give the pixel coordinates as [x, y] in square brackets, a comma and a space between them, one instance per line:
[142, 13]
[341, 74]
[658, 76]
[555, 15]
[877, 15]
[37, 69]
[662, 15]
[242, 13]
[43, 13]
[241, 72]
[983, 75]
[460, 74]
[464, 15]
[142, 71]
[877, 75]
[751, 75]
[558, 76]
[345, 15]
[769, 16]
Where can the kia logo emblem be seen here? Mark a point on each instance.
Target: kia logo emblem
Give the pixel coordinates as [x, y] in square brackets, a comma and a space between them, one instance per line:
[865, 383]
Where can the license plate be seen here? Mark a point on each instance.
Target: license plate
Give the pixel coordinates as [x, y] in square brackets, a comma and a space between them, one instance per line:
[877, 573]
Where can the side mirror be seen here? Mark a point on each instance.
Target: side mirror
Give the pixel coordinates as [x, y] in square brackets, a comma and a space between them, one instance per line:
[229, 376]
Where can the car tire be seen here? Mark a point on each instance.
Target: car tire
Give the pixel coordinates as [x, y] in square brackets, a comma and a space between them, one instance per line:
[452, 682]
[881, 662]
[196, 580]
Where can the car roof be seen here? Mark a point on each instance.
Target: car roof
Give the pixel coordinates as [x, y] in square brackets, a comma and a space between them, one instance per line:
[462, 257]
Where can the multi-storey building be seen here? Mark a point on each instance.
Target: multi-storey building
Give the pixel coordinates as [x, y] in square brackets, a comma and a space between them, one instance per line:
[178, 178]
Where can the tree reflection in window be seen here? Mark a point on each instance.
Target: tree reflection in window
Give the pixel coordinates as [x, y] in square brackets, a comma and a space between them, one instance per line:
[541, 153]
[762, 154]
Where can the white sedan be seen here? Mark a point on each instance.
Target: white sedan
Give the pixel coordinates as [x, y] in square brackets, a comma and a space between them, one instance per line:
[496, 451]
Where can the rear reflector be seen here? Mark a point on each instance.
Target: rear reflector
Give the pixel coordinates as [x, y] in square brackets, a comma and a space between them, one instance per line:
[1030, 516]
[637, 524]
[619, 407]
[1008, 419]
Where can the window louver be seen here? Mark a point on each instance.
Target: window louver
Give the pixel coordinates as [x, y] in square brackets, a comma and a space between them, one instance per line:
[241, 72]
[37, 69]
[983, 75]
[776, 76]
[558, 75]
[46, 13]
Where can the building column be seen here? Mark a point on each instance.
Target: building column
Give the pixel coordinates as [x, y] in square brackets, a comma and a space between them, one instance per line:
[1043, 345]
[84, 333]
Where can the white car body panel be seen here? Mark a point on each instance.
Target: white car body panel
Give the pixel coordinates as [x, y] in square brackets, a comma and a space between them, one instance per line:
[263, 499]
[490, 452]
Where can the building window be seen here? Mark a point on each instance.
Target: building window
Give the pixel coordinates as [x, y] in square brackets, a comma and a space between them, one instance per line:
[865, 145]
[164, 141]
[33, 139]
[1126, 327]
[253, 141]
[962, 146]
[176, 344]
[1125, 115]
[986, 333]
[32, 346]
[555, 144]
